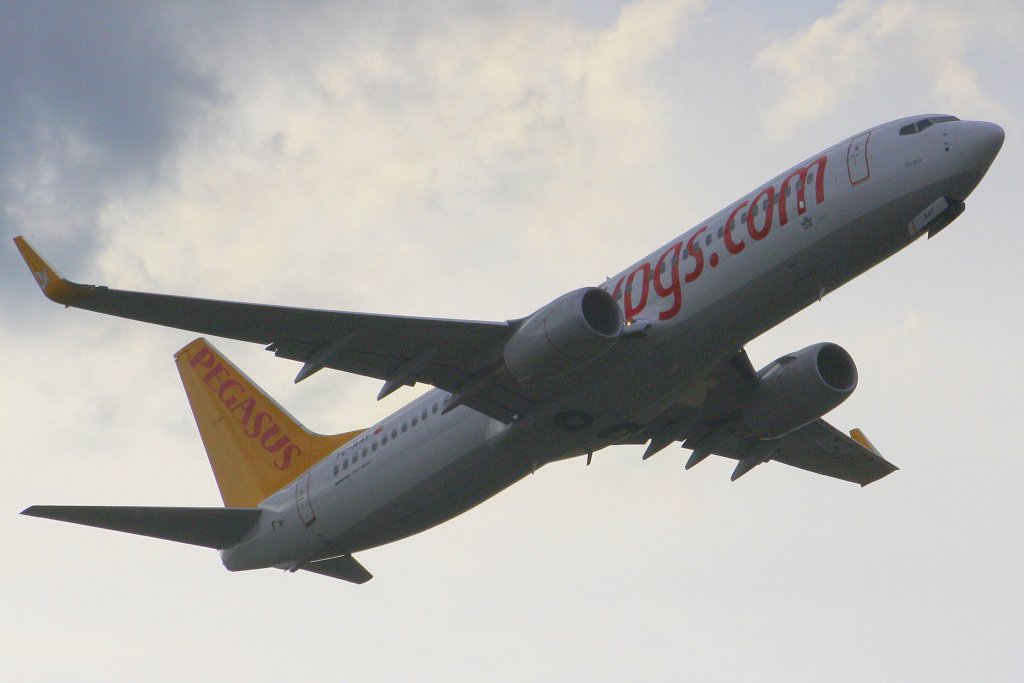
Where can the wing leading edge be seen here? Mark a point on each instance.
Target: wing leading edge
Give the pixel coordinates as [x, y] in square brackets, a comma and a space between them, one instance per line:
[455, 355]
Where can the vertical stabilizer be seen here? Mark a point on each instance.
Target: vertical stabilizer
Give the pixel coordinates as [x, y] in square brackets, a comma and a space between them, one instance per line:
[255, 447]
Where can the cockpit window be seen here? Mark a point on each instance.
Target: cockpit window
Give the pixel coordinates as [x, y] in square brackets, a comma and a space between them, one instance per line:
[917, 127]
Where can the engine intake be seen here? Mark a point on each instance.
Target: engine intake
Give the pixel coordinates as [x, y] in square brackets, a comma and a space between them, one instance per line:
[799, 388]
[571, 331]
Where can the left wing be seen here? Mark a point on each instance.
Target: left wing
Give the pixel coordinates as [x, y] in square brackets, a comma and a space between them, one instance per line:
[816, 447]
[708, 426]
[463, 357]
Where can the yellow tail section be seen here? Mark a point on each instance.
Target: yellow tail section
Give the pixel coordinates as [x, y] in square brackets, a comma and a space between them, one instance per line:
[255, 447]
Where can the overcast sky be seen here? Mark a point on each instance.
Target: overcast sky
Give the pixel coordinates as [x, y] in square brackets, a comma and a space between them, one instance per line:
[475, 160]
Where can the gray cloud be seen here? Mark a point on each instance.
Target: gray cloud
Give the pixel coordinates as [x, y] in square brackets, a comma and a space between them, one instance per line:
[96, 97]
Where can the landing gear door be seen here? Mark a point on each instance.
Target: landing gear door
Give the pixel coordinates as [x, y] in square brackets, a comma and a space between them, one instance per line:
[302, 502]
[857, 159]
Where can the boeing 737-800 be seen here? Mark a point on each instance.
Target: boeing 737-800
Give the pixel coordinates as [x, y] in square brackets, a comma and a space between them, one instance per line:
[653, 355]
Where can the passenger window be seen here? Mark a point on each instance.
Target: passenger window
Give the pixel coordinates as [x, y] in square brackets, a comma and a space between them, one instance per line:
[424, 415]
[383, 439]
[373, 446]
[344, 464]
[364, 451]
[415, 420]
[707, 240]
[405, 426]
[394, 433]
[335, 469]
[434, 409]
[721, 231]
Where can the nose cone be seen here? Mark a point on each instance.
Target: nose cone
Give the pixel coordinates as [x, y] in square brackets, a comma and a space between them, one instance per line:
[981, 142]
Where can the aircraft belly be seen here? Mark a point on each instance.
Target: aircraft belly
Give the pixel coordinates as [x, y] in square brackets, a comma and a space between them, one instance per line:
[447, 493]
[650, 374]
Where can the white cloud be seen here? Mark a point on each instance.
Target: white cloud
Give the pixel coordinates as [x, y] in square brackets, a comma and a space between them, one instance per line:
[484, 136]
[885, 49]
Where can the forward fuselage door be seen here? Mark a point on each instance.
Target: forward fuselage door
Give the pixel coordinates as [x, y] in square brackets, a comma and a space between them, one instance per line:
[302, 501]
[857, 159]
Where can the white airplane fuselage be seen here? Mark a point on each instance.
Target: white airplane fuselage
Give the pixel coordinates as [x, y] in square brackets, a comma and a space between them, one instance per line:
[691, 303]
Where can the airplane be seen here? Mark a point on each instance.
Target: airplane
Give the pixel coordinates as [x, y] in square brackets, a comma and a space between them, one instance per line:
[652, 355]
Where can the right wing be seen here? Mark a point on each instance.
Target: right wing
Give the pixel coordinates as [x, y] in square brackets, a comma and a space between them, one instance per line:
[459, 356]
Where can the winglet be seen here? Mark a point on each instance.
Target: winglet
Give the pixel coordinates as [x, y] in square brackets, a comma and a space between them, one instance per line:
[53, 285]
[858, 436]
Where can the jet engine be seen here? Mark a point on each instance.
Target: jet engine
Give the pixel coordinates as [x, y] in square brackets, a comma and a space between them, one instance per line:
[799, 388]
[571, 331]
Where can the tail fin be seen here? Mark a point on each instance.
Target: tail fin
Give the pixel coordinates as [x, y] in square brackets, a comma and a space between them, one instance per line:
[255, 447]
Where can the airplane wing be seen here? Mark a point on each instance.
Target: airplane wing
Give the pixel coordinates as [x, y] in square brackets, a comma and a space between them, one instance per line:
[816, 447]
[455, 355]
[709, 427]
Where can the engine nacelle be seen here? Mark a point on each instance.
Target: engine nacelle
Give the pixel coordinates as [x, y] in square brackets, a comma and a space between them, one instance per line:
[571, 331]
[799, 388]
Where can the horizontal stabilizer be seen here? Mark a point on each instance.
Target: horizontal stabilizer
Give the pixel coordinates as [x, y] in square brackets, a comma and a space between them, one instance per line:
[208, 527]
[346, 568]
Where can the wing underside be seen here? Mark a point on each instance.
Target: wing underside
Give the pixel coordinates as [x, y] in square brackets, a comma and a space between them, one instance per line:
[816, 447]
[710, 426]
[459, 356]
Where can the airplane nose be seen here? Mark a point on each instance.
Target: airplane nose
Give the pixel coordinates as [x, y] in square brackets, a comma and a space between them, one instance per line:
[982, 141]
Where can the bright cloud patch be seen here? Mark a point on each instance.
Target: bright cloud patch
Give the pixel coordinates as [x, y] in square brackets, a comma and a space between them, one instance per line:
[870, 49]
[357, 152]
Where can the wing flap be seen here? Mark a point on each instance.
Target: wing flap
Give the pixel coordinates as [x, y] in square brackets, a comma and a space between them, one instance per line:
[208, 527]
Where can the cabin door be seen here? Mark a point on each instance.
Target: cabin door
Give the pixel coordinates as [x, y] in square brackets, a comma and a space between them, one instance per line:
[857, 159]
